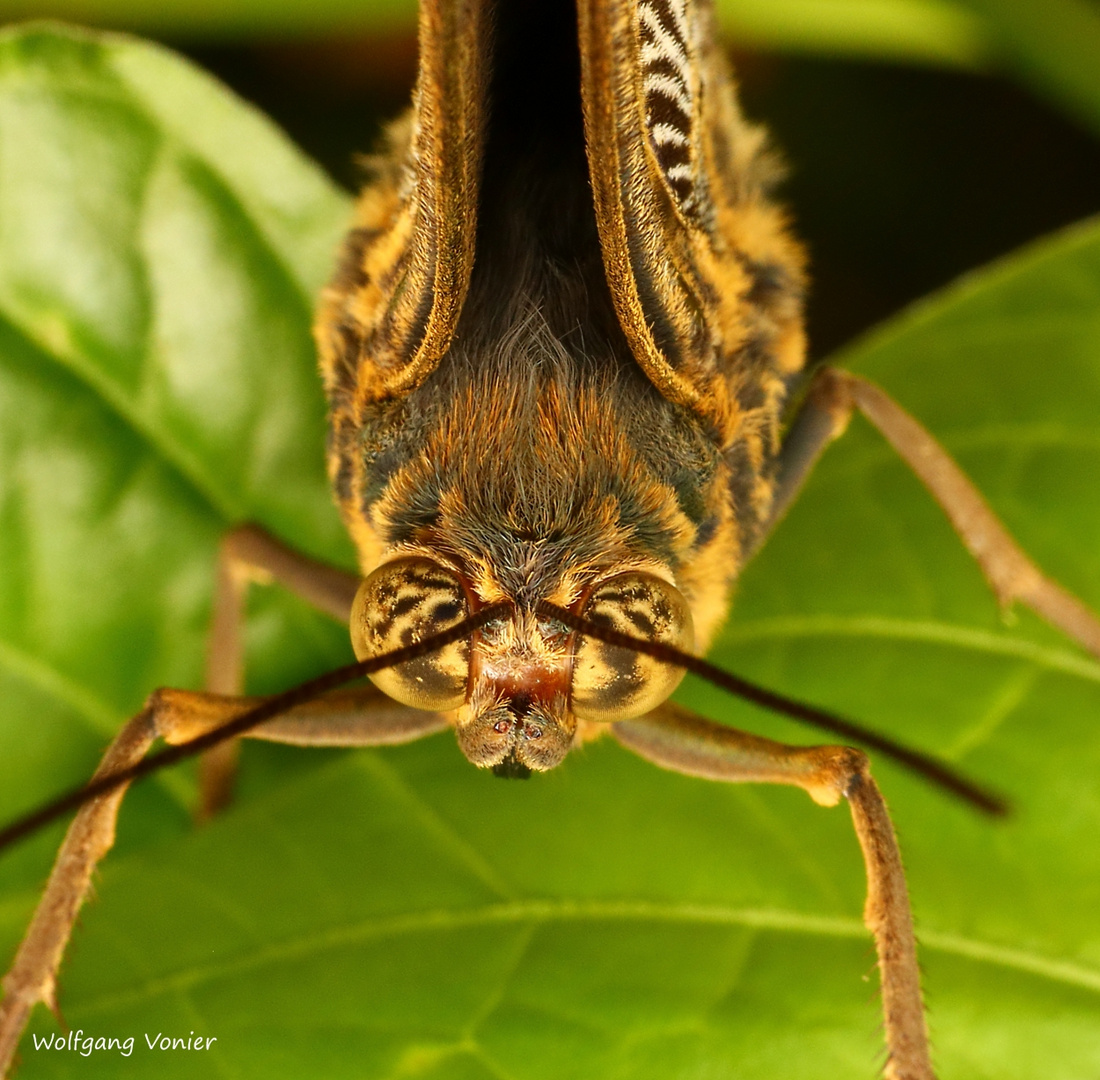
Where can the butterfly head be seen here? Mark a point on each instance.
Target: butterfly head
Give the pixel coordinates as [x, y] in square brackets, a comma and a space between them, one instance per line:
[525, 686]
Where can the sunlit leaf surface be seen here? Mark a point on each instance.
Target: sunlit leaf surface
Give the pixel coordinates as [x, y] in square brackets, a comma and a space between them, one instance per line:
[398, 914]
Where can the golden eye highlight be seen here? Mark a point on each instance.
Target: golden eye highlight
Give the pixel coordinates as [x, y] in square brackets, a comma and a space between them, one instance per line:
[613, 683]
[401, 603]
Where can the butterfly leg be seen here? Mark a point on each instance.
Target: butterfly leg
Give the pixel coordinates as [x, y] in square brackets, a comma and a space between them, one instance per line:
[251, 555]
[33, 973]
[1011, 574]
[676, 739]
[359, 716]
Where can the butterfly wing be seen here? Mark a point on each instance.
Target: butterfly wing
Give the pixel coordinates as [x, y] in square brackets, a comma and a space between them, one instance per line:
[706, 281]
[391, 312]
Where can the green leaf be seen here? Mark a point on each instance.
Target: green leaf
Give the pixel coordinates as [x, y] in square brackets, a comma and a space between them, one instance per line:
[396, 913]
[161, 246]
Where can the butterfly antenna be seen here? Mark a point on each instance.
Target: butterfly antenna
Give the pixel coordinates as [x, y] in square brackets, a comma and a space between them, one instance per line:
[933, 770]
[266, 710]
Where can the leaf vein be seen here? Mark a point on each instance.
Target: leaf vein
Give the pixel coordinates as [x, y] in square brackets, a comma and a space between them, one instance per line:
[524, 911]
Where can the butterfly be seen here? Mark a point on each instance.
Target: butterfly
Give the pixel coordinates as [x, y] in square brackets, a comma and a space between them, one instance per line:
[568, 400]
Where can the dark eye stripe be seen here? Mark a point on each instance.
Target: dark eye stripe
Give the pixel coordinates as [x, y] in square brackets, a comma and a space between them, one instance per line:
[407, 603]
[641, 621]
[447, 611]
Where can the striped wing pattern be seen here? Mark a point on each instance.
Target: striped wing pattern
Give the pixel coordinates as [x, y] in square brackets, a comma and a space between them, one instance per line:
[670, 80]
[390, 313]
[706, 279]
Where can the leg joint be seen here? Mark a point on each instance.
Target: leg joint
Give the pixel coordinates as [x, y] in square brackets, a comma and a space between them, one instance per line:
[849, 768]
[832, 392]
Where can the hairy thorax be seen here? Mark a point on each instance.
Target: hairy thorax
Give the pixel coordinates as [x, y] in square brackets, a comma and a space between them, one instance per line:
[538, 462]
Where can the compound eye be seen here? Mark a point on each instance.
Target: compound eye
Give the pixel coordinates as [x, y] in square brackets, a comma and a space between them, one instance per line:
[401, 603]
[612, 683]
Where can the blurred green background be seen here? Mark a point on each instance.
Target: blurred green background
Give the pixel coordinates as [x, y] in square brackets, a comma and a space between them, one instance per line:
[924, 137]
